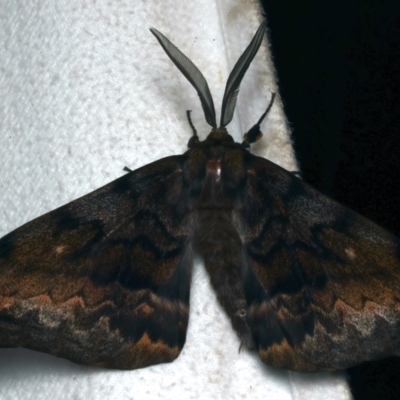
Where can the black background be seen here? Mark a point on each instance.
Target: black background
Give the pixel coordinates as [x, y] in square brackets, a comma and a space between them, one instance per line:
[338, 69]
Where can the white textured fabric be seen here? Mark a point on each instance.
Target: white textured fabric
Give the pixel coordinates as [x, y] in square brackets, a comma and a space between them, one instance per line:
[85, 90]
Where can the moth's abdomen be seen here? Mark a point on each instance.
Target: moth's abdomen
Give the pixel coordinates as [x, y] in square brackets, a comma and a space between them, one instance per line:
[220, 245]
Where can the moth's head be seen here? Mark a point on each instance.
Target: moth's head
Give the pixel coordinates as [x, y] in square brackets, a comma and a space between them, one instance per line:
[196, 78]
[217, 136]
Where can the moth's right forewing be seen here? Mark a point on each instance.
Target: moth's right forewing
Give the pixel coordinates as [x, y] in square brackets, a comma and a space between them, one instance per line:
[105, 279]
[322, 283]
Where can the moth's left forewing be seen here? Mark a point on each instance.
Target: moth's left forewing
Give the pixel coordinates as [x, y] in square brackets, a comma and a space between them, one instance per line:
[322, 283]
[103, 280]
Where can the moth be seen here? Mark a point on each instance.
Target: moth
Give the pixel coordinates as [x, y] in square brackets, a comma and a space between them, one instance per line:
[105, 279]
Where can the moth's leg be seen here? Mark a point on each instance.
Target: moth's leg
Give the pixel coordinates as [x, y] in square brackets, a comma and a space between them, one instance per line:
[221, 247]
[255, 133]
[194, 139]
[127, 169]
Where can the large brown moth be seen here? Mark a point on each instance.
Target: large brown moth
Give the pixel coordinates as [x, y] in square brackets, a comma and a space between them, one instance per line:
[105, 279]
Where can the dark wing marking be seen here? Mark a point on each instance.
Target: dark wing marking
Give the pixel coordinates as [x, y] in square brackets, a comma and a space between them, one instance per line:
[105, 279]
[322, 283]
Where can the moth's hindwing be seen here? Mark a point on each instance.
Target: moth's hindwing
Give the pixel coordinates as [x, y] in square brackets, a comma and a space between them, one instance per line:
[103, 280]
[322, 283]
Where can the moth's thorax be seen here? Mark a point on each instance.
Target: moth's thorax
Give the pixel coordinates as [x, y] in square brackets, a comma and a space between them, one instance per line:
[220, 170]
